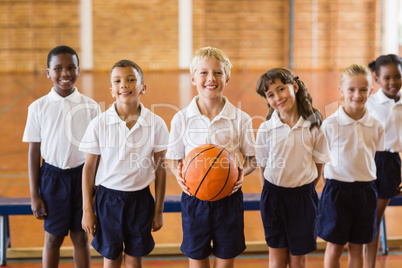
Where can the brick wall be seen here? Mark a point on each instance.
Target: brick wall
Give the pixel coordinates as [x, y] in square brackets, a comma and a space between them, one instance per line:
[329, 34]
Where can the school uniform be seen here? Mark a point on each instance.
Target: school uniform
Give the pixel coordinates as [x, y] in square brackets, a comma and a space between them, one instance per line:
[124, 205]
[348, 203]
[59, 124]
[221, 221]
[388, 161]
[289, 200]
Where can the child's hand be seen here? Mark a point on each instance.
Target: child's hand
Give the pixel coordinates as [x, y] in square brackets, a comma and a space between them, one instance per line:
[38, 208]
[180, 179]
[88, 222]
[157, 222]
[239, 181]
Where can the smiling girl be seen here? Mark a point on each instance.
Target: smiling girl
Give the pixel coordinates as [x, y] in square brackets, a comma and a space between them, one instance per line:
[347, 213]
[291, 135]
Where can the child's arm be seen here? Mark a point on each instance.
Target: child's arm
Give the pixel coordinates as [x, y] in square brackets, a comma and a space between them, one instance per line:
[160, 189]
[320, 169]
[249, 164]
[37, 205]
[88, 180]
[176, 168]
[262, 178]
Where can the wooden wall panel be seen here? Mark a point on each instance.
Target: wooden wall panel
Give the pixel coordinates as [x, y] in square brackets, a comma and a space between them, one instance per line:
[332, 34]
[251, 32]
[328, 34]
[143, 31]
[30, 28]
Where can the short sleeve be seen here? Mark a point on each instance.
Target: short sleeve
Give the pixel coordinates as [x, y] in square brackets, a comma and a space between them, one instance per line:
[247, 141]
[381, 138]
[90, 142]
[321, 151]
[176, 150]
[32, 127]
[262, 146]
[161, 135]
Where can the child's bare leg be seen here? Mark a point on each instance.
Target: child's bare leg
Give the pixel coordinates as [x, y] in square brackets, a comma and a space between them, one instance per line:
[371, 249]
[132, 262]
[224, 263]
[278, 257]
[355, 259]
[204, 263]
[332, 257]
[298, 261]
[107, 263]
[51, 250]
[82, 252]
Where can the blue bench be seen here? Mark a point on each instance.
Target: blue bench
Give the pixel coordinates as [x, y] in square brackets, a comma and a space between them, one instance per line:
[22, 206]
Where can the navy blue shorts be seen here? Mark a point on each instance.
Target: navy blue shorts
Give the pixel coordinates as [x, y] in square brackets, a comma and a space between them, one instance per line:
[289, 216]
[388, 174]
[123, 218]
[61, 190]
[348, 212]
[220, 221]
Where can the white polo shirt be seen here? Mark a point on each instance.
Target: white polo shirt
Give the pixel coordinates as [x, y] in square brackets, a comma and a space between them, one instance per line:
[352, 145]
[231, 128]
[59, 123]
[389, 113]
[289, 155]
[126, 156]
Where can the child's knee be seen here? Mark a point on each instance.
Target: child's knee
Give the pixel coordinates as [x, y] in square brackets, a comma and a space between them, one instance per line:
[79, 239]
[52, 241]
[355, 249]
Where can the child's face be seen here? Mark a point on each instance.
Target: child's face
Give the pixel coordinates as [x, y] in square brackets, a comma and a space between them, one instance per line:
[390, 80]
[282, 97]
[209, 78]
[355, 90]
[126, 85]
[64, 71]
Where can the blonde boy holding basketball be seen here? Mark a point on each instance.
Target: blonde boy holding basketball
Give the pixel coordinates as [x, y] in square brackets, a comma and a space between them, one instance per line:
[211, 119]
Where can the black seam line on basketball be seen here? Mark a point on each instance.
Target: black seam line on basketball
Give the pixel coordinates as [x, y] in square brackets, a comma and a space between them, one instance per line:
[185, 172]
[208, 172]
[227, 179]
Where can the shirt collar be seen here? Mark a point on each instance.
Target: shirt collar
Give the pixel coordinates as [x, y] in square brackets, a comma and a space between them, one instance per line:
[112, 116]
[228, 110]
[276, 122]
[345, 119]
[73, 97]
[382, 98]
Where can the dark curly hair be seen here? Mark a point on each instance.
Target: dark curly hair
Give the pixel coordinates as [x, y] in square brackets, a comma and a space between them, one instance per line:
[383, 60]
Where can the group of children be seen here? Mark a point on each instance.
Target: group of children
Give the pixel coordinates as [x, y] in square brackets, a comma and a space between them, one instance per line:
[92, 180]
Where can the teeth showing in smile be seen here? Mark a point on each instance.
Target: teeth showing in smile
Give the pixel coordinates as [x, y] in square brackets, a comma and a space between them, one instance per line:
[210, 87]
[124, 93]
[65, 81]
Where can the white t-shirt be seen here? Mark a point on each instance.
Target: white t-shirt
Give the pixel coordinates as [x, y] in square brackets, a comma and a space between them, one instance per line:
[59, 123]
[389, 113]
[352, 146]
[289, 155]
[126, 156]
[231, 129]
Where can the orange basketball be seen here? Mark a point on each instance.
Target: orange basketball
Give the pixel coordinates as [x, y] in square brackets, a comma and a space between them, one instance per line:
[210, 172]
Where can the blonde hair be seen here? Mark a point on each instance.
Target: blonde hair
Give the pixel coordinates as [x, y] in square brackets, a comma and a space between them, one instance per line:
[354, 70]
[211, 52]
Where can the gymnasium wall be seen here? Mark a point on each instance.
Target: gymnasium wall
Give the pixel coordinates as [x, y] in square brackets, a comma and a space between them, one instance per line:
[328, 34]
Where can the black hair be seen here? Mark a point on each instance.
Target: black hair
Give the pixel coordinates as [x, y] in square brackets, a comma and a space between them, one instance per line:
[383, 60]
[304, 101]
[129, 63]
[61, 50]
